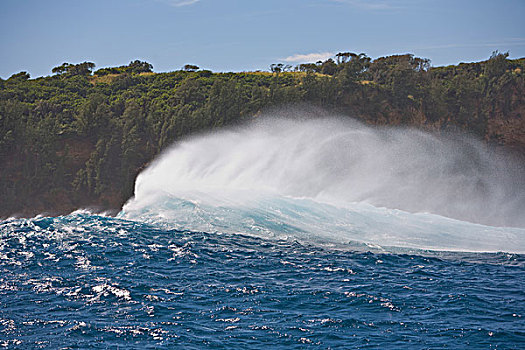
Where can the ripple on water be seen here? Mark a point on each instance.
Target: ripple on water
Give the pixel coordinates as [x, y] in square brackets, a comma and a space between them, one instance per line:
[95, 281]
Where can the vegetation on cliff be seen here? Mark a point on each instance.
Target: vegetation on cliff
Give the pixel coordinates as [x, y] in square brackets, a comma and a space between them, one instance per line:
[78, 138]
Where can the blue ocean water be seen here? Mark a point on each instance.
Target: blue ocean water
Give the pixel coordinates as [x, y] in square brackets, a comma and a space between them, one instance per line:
[322, 234]
[90, 281]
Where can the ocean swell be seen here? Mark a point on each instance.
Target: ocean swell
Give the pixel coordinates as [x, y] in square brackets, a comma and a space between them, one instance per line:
[335, 180]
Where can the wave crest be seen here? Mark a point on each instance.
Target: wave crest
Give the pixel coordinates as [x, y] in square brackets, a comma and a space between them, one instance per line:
[340, 164]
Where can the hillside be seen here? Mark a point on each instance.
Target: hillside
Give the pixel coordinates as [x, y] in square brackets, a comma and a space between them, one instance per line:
[78, 139]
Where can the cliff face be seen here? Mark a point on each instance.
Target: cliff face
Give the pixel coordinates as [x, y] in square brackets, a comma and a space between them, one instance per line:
[508, 129]
[22, 201]
[69, 142]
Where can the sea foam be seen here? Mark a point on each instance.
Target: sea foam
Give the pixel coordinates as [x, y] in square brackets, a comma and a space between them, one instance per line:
[338, 180]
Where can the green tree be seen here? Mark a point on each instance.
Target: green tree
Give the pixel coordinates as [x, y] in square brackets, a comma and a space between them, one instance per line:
[68, 69]
[140, 67]
[497, 64]
[329, 67]
[191, 68]
[19, 77]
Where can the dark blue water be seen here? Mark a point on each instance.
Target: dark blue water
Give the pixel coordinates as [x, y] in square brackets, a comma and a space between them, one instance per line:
[86, 281]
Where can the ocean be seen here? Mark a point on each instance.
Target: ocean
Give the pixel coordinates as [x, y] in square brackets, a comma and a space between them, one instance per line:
[285, 234]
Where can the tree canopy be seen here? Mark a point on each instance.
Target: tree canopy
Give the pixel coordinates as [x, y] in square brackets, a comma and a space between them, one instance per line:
[69, 69]
[77, 138]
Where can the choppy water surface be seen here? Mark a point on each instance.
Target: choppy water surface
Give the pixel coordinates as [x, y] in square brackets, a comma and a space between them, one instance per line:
[83, 281]
[286, 234]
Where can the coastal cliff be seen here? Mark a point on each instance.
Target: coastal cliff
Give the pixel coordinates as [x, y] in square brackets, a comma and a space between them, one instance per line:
[78, 139]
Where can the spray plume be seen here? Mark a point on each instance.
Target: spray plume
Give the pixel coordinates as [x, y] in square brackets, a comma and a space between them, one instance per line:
[340, 163]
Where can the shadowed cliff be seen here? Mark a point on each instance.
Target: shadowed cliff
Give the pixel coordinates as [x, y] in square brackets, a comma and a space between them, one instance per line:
[78, 139]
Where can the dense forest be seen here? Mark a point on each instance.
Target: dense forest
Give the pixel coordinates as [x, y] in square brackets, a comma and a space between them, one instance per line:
[78, 138]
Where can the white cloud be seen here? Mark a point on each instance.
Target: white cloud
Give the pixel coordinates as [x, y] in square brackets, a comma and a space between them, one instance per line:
[179, 3]
[309, 57]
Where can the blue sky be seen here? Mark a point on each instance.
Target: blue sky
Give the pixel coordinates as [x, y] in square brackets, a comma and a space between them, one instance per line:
[237, 35]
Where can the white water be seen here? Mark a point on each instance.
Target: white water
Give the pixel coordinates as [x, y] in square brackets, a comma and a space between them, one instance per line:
[338, 181]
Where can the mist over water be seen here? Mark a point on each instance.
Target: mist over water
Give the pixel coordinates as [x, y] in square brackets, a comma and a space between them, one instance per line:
[338, 178]
[282, 233]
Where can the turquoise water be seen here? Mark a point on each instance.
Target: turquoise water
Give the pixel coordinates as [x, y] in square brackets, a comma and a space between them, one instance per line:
[88, 281]
[322, 234]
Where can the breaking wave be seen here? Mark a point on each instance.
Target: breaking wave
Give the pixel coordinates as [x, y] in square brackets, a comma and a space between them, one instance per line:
[338, 181]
